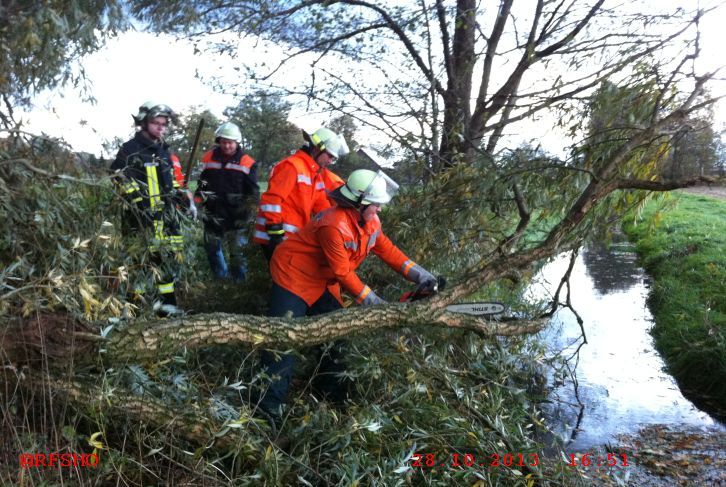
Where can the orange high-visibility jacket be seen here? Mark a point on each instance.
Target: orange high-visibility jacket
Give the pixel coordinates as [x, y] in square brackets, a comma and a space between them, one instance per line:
[331, 180]
[179, 180]
[295, 192]
[328, 250]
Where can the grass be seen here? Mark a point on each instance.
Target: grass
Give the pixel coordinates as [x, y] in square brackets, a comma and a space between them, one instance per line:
[682, 248]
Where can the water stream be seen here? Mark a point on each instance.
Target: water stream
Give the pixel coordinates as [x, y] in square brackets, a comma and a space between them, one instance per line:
[620, 379]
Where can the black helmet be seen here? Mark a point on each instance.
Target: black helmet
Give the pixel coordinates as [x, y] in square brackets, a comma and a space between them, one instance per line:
[151, 110]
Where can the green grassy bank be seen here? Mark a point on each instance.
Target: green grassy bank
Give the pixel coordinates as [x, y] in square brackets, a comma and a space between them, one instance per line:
[683, 247]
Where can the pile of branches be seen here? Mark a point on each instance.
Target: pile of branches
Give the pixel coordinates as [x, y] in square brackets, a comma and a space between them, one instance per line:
[83, 365]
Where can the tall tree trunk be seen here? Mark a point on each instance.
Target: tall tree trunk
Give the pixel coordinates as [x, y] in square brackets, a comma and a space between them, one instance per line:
[457, 108]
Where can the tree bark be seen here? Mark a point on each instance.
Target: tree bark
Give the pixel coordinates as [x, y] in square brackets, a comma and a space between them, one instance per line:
[41, 340]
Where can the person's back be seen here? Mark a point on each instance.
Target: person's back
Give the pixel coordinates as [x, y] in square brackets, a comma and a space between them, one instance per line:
[296, 189]
[327, 251]
[310, 261]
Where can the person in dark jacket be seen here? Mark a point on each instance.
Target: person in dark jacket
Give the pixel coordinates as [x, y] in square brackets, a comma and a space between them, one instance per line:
[227, 190]
[144, 172]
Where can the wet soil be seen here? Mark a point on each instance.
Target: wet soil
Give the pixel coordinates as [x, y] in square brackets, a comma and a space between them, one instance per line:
[661, 456]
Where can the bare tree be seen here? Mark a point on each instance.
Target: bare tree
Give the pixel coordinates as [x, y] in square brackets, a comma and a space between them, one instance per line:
[445, 79]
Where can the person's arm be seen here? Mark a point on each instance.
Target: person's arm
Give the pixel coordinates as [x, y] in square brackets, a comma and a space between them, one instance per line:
[199, 196]
[127, 186]
[399, 262]
[119, 164]
[283, 180]
[182, 195]
[321, 201]
[251, 191]
[333, 246]
[179, 180]
[250, 186]
[201, 192]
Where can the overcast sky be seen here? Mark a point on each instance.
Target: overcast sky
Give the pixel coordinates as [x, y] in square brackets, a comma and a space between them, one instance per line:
[136, 67]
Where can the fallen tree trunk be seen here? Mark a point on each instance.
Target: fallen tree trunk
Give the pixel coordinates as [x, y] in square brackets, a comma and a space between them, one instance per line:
[53, 346]
[58, 340]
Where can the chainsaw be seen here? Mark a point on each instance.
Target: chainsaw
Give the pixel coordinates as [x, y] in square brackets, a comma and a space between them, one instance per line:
[425, 290]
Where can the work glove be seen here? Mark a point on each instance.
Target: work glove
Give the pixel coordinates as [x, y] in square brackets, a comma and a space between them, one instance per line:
[184, 199]
[276, 234]
[193, 212]
[426, 281]
[372, 299]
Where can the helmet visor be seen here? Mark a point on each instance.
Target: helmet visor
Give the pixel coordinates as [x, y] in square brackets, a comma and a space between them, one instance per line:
[381, 189]
[333, 156]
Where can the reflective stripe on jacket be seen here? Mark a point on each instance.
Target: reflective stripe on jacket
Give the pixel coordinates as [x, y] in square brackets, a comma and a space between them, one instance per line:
[227, 187]
[328, 250]
[179, 181]
[145, 173]
[295, 192]
[239, 162]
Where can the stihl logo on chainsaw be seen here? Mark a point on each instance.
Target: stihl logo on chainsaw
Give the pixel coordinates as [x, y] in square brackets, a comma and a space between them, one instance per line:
[479, 309]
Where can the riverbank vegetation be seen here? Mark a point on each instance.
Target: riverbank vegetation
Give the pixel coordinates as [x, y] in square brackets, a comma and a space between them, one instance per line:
[681, 244]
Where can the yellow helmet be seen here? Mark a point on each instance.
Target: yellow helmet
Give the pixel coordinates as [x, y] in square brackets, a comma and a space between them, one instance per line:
[329, 141]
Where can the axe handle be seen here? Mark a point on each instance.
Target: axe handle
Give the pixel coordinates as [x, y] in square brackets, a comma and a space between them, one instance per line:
[187, 173]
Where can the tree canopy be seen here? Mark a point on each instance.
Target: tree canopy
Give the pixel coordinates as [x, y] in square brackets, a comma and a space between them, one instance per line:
[40, 41]
[447, 79]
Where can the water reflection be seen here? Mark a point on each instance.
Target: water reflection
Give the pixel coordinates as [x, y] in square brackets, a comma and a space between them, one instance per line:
[620, 379]
[611, 269]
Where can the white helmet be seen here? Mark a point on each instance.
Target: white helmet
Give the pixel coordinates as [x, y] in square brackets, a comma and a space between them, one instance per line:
[369, 187]
[228, 130]
[329, 141]
[151, 109]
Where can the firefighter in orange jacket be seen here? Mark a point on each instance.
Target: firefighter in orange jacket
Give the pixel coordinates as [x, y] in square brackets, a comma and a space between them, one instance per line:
[297, 189]
[329, 250]
[331, 180]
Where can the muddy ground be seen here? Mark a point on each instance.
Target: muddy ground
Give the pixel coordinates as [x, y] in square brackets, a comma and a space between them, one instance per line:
[661, 456]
